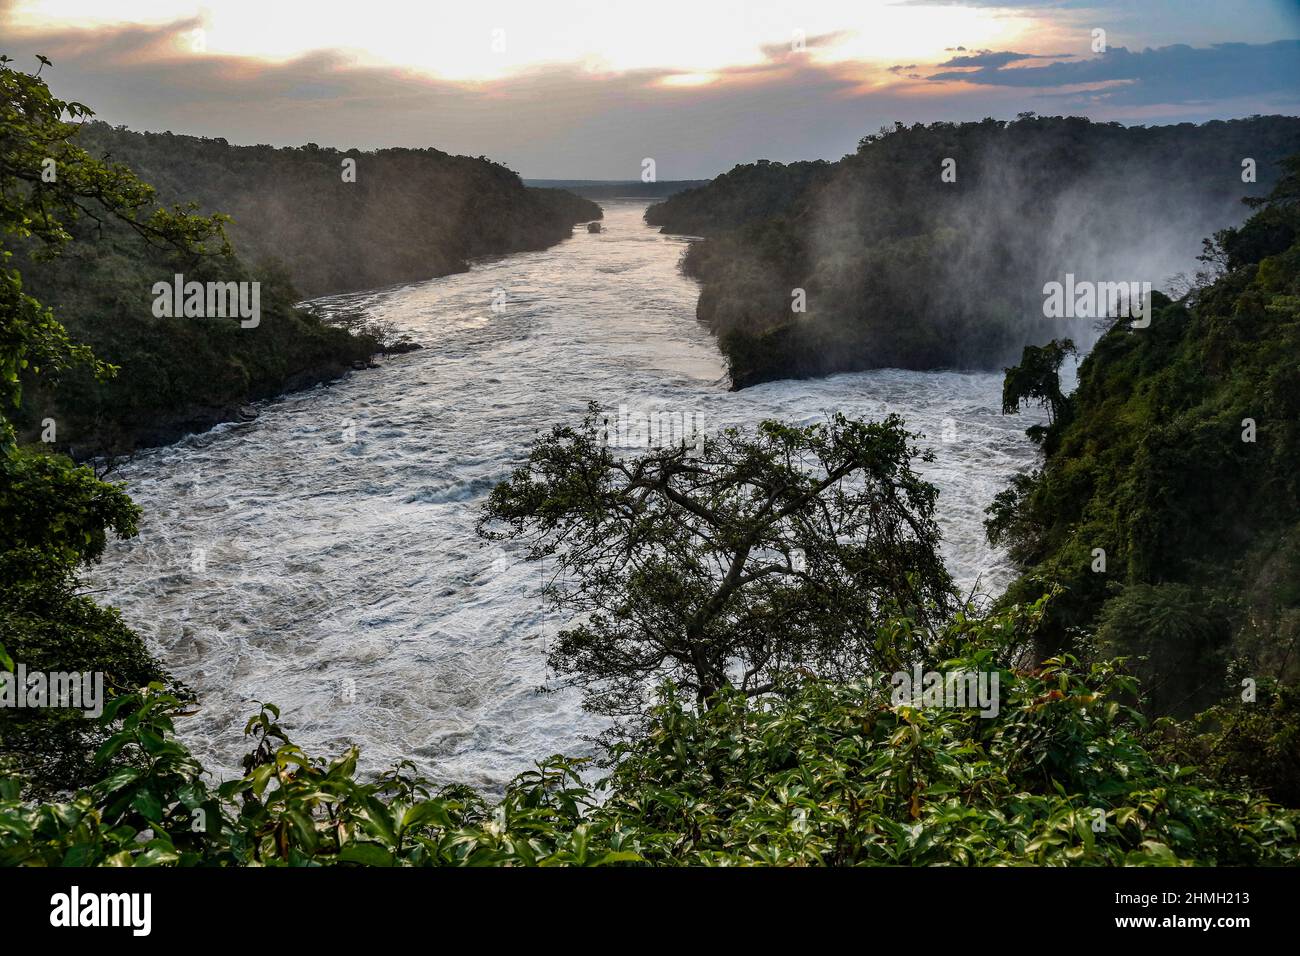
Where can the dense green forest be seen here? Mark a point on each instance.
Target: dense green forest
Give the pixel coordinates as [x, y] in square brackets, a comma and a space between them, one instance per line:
[56, 517]
[298, 229]
[177, 375]
[902, 266]
[748, 194]
[1166, 510]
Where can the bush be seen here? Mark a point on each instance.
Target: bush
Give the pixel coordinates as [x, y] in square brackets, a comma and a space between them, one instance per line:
[1177, 636]
[1252, 744]
[820, 774]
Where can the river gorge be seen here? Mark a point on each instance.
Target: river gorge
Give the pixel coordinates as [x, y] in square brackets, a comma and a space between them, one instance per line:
[323, 557]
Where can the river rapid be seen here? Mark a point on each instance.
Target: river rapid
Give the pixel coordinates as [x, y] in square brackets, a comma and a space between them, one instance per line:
[323, 557]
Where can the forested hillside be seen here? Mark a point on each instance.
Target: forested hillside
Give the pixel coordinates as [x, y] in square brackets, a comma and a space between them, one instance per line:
[1166, 512]
[1176, 455]
[762, 190]
[901, 265]
[410, 213]
[176, 375]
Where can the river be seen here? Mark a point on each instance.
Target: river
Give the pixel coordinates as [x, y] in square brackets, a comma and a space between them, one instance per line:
[323, 557]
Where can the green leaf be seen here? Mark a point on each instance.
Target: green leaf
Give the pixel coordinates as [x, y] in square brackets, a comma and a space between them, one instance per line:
[366, 854]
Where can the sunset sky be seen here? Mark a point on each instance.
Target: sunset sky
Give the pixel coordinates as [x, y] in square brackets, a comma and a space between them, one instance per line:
[587, 89]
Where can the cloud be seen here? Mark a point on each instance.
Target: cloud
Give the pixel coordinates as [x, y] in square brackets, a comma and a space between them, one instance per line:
[1170, 74]
[1015, 4]
[997, 58]
[557, 121]
[567, 120]
[780, 51]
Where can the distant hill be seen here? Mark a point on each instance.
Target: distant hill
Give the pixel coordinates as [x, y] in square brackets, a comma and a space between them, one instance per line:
[618, 188]
[897, 265]
[410, 214]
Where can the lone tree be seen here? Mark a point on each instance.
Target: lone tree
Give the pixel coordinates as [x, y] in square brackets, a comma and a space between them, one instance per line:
[1037, 380]
[745, 561]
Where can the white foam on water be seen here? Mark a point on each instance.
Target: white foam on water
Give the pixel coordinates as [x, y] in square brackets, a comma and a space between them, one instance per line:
[341, 577]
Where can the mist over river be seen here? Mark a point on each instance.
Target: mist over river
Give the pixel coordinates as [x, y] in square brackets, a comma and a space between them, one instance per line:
[323, 557]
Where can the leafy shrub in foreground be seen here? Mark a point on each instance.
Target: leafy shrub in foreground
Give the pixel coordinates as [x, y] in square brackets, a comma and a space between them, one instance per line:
[1240, 744]
[825, 774]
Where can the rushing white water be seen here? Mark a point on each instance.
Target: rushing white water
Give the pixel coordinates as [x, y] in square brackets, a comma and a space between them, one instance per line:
[323, 557]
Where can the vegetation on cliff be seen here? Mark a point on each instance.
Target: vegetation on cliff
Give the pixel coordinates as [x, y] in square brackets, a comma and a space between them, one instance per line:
[343, 220]
[1167, 505]
[56, 517]
[930, 246]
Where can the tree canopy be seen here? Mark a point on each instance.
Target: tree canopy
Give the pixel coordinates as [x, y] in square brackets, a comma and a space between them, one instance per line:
[764, 555]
